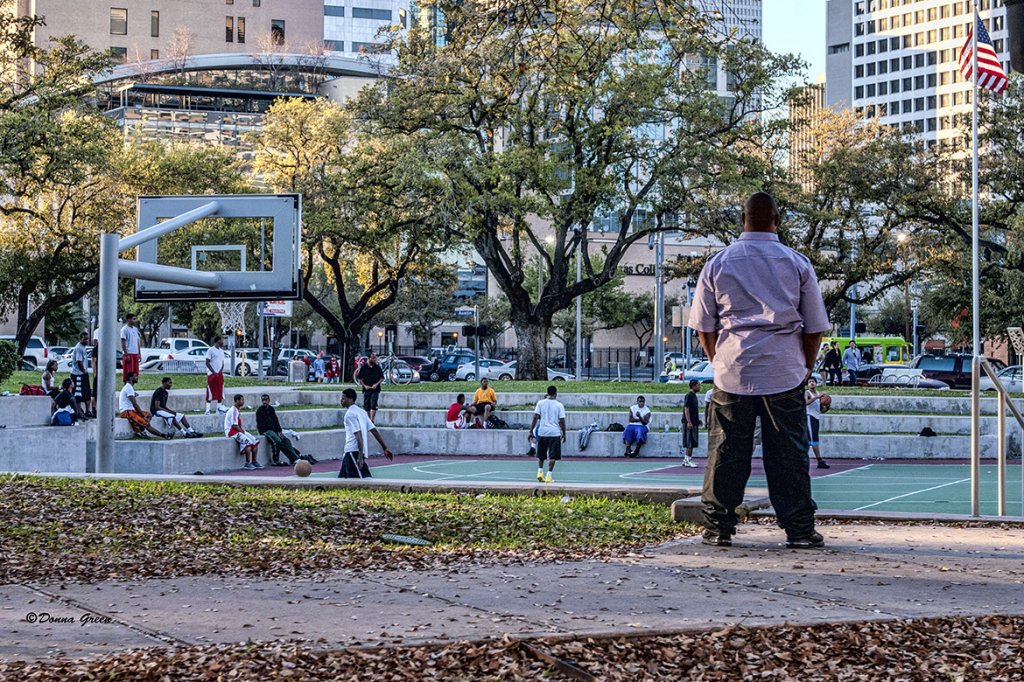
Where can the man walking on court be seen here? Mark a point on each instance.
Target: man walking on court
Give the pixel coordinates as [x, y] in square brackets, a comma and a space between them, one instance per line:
[759, 314]
[549, 418]
[358, 427]
[130, 342]
[691, 423]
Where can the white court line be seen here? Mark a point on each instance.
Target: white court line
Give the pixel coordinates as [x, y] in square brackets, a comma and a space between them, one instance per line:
[839, 473]
[916, 492]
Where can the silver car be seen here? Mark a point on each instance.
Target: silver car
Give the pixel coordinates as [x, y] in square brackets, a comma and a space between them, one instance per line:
[1011, 378]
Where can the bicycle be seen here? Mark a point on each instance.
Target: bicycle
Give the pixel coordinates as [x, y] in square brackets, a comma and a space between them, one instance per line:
[396, 372]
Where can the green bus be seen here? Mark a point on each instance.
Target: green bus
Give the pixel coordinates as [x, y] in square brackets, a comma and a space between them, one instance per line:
[875, 350]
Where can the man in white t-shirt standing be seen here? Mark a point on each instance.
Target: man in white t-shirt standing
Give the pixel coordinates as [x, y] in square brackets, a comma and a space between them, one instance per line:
[215, 375]
[130, 341]
[549, 418]
[358, 427]
[80, 375]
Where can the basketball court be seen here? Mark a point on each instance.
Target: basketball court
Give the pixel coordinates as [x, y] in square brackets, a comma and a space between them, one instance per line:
[920, 487]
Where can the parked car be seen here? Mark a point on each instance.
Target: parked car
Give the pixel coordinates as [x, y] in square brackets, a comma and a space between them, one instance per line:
[450, 364]
[57, 351]
[64, 361]
[36, 351]
[1011, 378]
[467, 372]
[168, 346]
[417, 362]
[286, 355]
[245, 360]
[705, 374]
[507, 372]
[953, 370]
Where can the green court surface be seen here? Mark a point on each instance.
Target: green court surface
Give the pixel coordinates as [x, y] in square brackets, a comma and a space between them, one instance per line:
[935, 488]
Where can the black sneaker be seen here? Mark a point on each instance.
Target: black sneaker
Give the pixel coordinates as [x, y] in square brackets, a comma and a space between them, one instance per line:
[168, 436]
[142, 434]
[310, 458]
[812, 541]
[627, 453]
[822, 464]
[714, 539]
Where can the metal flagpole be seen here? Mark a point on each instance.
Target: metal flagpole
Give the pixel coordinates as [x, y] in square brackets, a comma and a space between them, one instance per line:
[975, 287]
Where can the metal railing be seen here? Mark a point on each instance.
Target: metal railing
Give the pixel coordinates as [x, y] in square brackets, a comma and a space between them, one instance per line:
[978, 365]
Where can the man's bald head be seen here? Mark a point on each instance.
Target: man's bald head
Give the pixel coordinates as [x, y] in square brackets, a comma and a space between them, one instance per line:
[760, 213]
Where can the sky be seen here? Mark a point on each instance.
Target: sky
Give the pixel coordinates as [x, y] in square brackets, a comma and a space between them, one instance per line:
[796, 26]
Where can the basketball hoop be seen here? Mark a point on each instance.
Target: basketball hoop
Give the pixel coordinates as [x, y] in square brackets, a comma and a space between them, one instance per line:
[232, 317]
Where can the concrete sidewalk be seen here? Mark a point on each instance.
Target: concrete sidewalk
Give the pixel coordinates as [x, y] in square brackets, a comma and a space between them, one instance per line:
[867, 572]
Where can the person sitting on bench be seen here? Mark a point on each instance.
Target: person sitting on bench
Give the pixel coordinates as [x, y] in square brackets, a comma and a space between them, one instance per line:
[268, 425]
[456, 418]
[158, 408]
[636, 430]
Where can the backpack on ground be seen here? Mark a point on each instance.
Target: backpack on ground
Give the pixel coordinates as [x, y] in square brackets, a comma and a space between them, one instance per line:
[31, 390]
[615, 426]
[583, 439]
[496, 422]
[61, 418]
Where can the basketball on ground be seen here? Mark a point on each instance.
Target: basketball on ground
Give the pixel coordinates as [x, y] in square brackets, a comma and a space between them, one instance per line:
[826, 402]
[303, 468]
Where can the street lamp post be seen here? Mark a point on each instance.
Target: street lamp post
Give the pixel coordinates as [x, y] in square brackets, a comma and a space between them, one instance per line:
[659, 305]
[579, 310]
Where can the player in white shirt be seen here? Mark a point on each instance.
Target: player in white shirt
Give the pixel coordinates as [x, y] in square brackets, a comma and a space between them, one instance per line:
[128, 408]
[130, 342]
[357, 429]
[215, 375]
[549, 418]
[636, 429]
[247, 443]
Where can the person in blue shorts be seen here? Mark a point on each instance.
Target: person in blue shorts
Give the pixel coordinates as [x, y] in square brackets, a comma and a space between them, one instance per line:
[813, 400]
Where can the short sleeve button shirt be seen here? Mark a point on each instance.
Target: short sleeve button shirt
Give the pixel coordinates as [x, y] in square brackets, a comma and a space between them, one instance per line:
[761, 297]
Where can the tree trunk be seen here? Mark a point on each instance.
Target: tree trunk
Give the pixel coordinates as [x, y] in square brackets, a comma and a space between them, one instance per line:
[532, 355]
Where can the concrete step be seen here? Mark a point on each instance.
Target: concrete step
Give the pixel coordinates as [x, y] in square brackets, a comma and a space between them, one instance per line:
[23, 410]
[314, 418]
[46, 449]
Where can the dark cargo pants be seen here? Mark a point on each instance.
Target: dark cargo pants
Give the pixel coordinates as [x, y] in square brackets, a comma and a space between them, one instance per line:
[731, 447]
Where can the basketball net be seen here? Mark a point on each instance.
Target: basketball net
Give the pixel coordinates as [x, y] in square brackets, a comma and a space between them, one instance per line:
[232, 318]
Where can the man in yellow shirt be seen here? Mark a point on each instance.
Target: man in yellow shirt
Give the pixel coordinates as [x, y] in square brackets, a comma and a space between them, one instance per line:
[484, 400]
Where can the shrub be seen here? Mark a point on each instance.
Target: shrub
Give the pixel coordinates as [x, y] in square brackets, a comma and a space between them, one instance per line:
[9, 360]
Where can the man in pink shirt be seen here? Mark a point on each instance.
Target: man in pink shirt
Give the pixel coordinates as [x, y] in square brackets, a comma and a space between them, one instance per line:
[760, 317]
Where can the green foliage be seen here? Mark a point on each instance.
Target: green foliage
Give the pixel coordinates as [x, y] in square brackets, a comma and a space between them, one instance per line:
[64, 324]
[424, 306]
[10, 359]
[548, 106]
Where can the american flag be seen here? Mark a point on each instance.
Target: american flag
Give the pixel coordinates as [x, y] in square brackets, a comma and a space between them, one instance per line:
[990, 71]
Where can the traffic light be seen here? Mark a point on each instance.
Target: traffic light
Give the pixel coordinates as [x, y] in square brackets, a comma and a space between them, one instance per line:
[468, 331]
[919, 330]
[1015, 29]
[859, 328]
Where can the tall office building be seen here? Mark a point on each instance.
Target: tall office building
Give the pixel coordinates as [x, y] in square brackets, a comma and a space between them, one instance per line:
[353, 25]
[898, 59]
[801, 114]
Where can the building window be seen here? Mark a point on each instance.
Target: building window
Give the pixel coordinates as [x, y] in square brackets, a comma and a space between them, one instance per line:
[229, 30]
[894, 43]
[276, 30]
[918, 61]
[858, 29]
[957, 98]
[858, 50]
[931, 102]
[871, 69]
[908, 62]
[871, 27]
[403, 18]
[230, 2]
[998, 23]
[883, 45]
[154, 24]
[255, 3]
[871, 90]
[919, 17]
[118, 22]
[907, 105]
[335, 45]
[838, 49]
[894, 65]
[932, 78]
[943, 101]
[882, 111]
[908, 41]
[919, 38]
[871, 47]
[956, 9]
[120, 54]
[918, 82]
[883, 66]
[858, 71]
[368, 13]
[958, 31]
[894, 108]
[154, 54]
[333, 11]
[894, 86]
[858, 92]
[859, 8]
[883, 89]
[997, 44]
[370, 48]
[241, 29]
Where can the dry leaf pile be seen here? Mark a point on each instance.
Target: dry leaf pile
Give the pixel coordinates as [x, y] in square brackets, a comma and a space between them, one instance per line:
[985, 649]
[92, 530]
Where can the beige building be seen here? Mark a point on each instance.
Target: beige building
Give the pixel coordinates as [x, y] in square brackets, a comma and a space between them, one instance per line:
[168, 29]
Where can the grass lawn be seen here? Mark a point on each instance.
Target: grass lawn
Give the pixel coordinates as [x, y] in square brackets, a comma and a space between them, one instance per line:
[65, 529]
